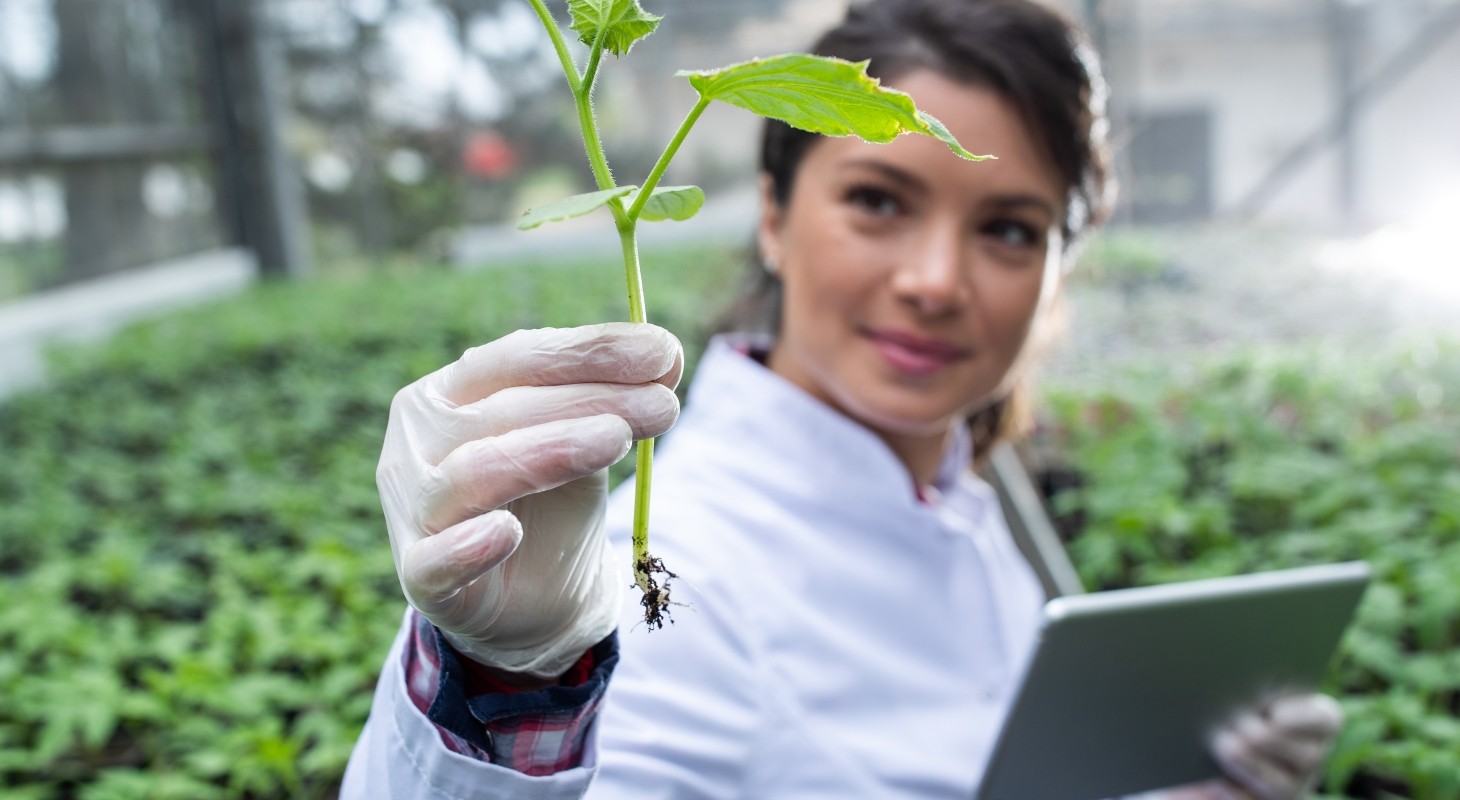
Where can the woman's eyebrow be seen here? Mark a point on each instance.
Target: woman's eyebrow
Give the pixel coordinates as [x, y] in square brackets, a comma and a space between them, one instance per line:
[890, 172]
[909, 180]
[1015, 201]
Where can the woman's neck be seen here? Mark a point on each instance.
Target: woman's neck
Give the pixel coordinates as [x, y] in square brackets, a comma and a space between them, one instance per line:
[921, 455]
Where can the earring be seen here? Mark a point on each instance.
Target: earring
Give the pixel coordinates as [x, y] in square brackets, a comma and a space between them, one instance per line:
[770, 266]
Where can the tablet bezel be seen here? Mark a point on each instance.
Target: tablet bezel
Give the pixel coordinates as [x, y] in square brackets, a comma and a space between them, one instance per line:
[1125, 687]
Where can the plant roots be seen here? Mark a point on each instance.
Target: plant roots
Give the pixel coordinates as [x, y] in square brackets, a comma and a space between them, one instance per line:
[656, 598]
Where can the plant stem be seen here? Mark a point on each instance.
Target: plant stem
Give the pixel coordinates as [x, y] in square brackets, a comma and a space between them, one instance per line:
[644, 458]
[597, 160]
[643, 477]
[656, 598]
[590, 73]
[628, 241]
[665, 157]
[627, 226]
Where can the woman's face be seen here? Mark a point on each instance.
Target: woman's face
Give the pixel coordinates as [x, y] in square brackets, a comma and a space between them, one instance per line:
[912, 278]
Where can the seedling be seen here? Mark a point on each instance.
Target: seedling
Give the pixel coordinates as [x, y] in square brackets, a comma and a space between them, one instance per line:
[822, 95]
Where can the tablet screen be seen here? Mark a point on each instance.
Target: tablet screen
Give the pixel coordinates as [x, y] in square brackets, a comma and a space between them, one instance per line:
[1125, 687]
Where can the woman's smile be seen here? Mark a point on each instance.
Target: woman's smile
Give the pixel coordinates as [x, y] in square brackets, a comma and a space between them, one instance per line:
[915, 355]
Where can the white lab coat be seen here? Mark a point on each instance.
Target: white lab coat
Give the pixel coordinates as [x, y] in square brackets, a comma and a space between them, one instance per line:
[840, 639]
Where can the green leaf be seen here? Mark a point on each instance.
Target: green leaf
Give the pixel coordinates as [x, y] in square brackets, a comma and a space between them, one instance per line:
[569, 207]
[829, 96]
[671, 202]
[939, 131]
[619, 22]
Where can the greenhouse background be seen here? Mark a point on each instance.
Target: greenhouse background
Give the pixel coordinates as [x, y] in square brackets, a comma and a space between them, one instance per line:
[230, 230]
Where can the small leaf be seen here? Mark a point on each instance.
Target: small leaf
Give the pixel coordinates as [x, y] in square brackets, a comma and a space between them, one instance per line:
[671, 202]
[569, 207]
[939, 131]
[829, 96]
[620, 22]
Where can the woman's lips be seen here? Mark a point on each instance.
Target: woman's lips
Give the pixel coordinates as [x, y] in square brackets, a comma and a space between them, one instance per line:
[915, 355]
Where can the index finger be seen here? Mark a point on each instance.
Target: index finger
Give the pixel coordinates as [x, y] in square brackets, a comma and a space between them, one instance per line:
[612, 352]
[1315, 715]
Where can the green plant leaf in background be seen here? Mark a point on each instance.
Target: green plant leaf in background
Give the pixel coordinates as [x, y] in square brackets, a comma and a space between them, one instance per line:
[189, 532]
[621, 23]
[829, 96]
[191, 538]
[1273, 458]
[569, 207]
[670, 202]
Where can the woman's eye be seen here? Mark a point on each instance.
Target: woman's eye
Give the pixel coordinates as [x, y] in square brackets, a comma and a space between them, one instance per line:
[874, 201]
[1012, 233]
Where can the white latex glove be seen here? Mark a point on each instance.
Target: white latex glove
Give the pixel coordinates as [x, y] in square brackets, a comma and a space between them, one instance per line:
[493, 484]
[1271, 753]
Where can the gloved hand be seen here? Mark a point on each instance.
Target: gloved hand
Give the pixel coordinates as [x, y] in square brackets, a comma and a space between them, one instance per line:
[493, 482]
[1271, 753]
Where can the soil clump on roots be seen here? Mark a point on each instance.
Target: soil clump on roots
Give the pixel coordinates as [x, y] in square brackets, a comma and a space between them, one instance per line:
[656, 597]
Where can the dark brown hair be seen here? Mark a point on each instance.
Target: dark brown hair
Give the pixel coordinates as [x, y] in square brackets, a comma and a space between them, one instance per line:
[1027, 53]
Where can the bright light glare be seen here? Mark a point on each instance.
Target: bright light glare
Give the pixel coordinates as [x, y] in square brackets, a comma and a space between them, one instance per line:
[1422, 255]
[165, 191]
[422, 41]
[33, 209]
[27, 39]
[330, 172]
[515, 32]
[407, 166]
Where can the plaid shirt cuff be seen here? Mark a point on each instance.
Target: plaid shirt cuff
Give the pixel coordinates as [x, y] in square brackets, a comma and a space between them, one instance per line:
[535, 732]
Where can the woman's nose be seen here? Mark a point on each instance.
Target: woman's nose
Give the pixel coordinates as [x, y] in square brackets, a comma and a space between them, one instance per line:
[932, 275]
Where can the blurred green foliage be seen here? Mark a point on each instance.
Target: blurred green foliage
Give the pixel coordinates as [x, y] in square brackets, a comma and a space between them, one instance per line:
[1276, 459]
[27, 269]
[1129, 258]
[195, 588]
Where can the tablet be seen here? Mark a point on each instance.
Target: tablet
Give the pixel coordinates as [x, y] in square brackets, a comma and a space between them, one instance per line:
[1125, 687]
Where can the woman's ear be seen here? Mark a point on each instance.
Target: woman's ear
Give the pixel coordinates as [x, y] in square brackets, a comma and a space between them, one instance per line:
[768, 230]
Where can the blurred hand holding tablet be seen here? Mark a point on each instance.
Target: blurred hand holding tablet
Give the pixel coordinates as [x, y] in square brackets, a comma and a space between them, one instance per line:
[1125, 687]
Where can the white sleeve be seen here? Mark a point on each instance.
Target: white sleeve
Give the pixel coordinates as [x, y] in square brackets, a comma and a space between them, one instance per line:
[399, 756]
[681, 714]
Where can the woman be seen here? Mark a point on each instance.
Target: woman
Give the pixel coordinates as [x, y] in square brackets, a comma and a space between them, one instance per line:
[856, 612]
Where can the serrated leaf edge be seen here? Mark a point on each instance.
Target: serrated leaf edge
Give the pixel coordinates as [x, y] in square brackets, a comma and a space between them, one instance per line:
[911, 119]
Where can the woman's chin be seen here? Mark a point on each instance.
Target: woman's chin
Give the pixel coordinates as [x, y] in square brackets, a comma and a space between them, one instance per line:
[901, 422]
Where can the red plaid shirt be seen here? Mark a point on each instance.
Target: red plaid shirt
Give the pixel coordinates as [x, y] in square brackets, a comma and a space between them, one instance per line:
[534, 731]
